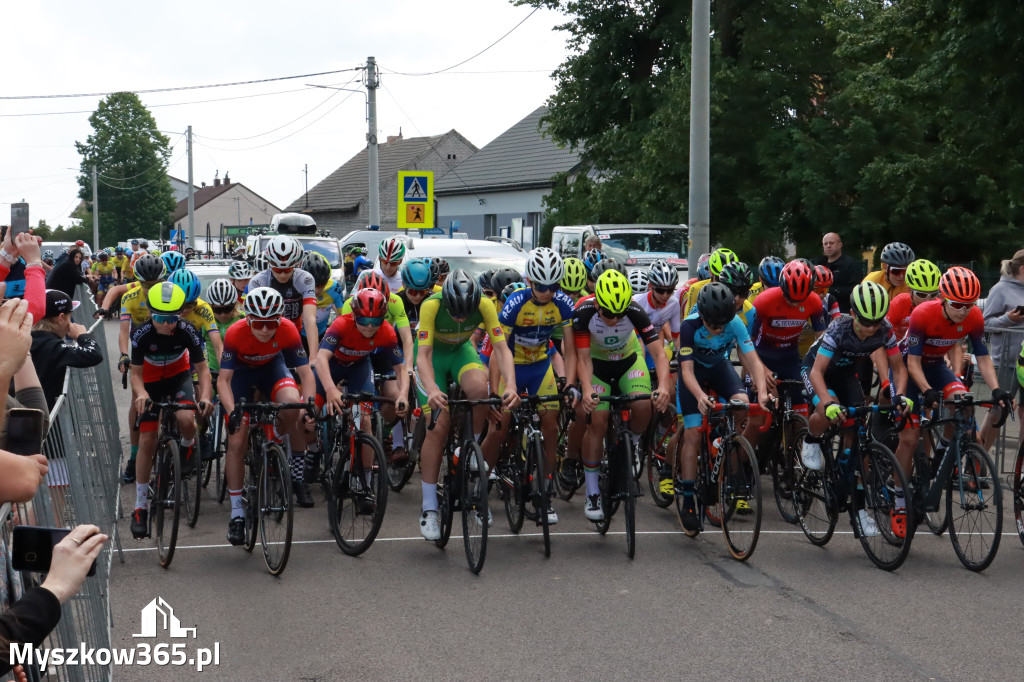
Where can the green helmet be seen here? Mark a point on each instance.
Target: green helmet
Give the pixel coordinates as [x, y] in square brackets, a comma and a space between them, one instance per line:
[392, 250]
[613, 292]
[869, 301]
[923, 275]
[166, 297]
[575, 276]
[719, 259]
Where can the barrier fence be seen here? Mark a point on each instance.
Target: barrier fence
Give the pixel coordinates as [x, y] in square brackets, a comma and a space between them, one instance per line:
[83, 448]
[1005, 345]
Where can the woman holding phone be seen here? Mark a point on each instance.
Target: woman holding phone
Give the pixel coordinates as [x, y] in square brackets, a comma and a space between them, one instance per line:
[1004, 312]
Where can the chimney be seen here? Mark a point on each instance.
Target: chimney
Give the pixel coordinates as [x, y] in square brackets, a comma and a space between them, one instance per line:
[227, 180]
[216, 182]
[395, 138]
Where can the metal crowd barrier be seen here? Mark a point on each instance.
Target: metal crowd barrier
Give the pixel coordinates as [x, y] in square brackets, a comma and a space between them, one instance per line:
[83, 448]
[1005, 345]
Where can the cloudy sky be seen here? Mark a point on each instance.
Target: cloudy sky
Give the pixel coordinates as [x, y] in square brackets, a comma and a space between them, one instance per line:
[265, 133]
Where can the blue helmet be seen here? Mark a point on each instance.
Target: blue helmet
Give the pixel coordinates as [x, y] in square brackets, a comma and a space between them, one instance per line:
[770, 269]
[704, 266]
[592, 258]
[173, 260]
[416, 274]
[189, 283]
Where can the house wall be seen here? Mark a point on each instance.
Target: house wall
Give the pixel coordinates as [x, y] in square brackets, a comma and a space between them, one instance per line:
[224, 210]
[504, 206]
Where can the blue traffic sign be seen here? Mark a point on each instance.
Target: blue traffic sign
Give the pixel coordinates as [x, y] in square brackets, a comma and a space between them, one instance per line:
[432, 230]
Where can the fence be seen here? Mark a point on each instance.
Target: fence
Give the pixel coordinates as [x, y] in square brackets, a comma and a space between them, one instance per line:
[84, 451]
[1005, 345]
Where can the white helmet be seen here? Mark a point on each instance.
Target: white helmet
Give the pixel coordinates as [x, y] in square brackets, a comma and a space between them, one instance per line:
[261, 263]
[263, 302]
[638, 280]
[544, 266]
[284, 252]
[222, 293]
[240, 270]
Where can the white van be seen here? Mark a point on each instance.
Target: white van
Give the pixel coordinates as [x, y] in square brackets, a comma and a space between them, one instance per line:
[635, 244]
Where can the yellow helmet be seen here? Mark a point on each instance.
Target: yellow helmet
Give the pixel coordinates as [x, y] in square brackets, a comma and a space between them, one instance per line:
[613, 292]
[166, 298]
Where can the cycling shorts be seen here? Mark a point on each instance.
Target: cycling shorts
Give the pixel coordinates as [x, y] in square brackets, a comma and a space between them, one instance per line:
[784, 367]
[381, 363]
[535, 378]
[358, 377]
[449, 363]
[939, 376]
[628, 375]
[178, 389]
[843, 384]
[719, 377]
[268, 379]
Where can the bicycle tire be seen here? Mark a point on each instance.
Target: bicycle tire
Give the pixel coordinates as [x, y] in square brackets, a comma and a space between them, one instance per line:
[782, 467]
[880, 474]
[510, 485]
[192, 490]
[166, 506]
[250, 492]
[629, 494]
[415, 445]
[445, 501]
[473, 503]
[981, 514]
[275, 509]
[740, 482]
[541, 497]
[607, 500]
[357, 507]
[815, 495]
[399, 475]
[656, 456]
[677, 475]
[938, 520]
[1018, 492]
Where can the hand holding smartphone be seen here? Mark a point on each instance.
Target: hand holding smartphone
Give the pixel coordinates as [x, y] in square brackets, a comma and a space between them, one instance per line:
[25, 431]
[33, 548]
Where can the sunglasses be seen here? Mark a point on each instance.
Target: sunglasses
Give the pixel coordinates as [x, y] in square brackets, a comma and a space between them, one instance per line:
[165, 319]
[926, 295]
[714, 328]
[957, 305]
[544, 288]
[897, 271]
[223, 309]
[264, 325]
[488, 293]
[610, 315]
[417, 292]
[664, 291]
[282, 271]
[370, 321]
[740, 291]
[868, 323]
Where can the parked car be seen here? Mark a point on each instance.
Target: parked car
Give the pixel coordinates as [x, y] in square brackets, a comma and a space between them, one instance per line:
[472, 255]
[371, 239]
[635, 245]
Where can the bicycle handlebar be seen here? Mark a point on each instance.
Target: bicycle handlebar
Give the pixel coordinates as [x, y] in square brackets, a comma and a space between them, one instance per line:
[462, 402]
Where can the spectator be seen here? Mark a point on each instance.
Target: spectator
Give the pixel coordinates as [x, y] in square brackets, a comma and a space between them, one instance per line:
[15, 340]
[846, 271]
[593, 242]
[21, 270]
[1003, 310]
[52, 354]
[68, 275]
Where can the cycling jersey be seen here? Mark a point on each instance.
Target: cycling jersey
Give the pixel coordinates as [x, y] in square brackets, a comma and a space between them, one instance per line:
[222, 327]
[437, 324]
[297, 292]
[610, 341]
[412, 310]
[348, 346]
[202, 317]
[394, 282]
[755, 289]
[843, 347]
[898, 316]
[243, 350]
[103, 269]
[395, 314]
[932, 334]
[332, 298]
[697, 345]
[529, 325]
[121, 263]
[878, 277]
[134, 306]
[165, 356]
[780, 322]
[689, 299]
[659, 316]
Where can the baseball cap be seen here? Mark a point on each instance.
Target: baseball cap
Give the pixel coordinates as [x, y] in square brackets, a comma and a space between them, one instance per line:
[58, 302]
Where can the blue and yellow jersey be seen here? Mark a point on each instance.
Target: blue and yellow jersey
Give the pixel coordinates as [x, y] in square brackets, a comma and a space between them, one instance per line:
[134, 306]
[529, 326]
[331, 298]
[202, 318]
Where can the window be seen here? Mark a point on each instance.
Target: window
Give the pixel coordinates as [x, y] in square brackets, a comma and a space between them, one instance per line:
[568, 245]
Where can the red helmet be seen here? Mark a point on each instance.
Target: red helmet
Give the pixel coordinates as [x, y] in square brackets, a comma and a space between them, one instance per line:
[373, 280]
[80, 243]
[796, 281]
[960, 285]
[369, 302]
[823, 277]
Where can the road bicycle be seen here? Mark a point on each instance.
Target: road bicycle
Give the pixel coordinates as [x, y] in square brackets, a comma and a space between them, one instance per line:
[414, 428]
[782, 448]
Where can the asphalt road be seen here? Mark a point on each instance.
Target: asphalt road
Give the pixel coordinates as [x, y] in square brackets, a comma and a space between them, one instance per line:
[682, 609]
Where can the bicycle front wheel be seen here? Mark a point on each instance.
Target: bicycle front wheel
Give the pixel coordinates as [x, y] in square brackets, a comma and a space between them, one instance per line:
[446, 494]
[192, 489]
[629, 494]
[359, 498]
[974, 505]
[275, 509]
[739, 489]
[881, 475]
[815, 494]
[1018, 492]
[166, 505]
[511, 489]
[542, 491]
[476, 516]
[783, 468]
[658, 468]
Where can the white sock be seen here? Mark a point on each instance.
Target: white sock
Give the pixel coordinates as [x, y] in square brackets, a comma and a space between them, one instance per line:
[187, 442]
[429, 496]
[593, 482]
[141, 495]
[237, 510]
[397, 435]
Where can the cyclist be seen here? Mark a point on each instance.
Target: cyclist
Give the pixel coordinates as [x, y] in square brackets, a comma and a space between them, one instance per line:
[258, 351]
[417, 284]
[443, 270]
[573, 281]
[330, 294]
[829, 371]
[165, 350]
[391, 252]
[240, 272]
[222, 297]
[719, 259]
[896, 257]
[102, 274]
[447, 321]
[739, 278]
[638, 280]
[284, 255]
[607, 363]
[173, 261]
[197, 312]
[484, 282]
[823, 281]
[923, 280]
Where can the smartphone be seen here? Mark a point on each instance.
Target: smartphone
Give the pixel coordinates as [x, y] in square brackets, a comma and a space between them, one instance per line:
[25, 431]
[33, 548]
[1020, 310]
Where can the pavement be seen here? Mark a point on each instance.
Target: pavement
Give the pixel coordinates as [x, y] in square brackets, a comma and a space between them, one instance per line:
[682, 609]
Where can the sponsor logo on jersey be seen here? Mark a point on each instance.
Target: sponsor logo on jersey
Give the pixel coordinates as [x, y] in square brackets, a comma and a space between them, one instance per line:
[259, 358]
[332, 339]
[610, 340]
[788, 323]
[636, 374]
[422, 335]
[686, 350]
[943, 342]
[913, 340]
[496, 331]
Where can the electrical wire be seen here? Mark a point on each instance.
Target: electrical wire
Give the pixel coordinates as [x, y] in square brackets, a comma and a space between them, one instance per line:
[139, 175]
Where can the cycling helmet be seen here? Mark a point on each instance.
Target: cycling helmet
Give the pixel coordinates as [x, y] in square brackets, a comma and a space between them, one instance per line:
[613, 292]
[511, 289]
[64, 249]
[604, 266]
[923, 275]
[144, 243]
[503, 277]
[823, 277]
[769, 270]
[315, 264]
[284, 252]
[166, 297]
[80, 243]
[716, 304]
[261, 262]
[150, 268]
[119, 250]
[460, 294]
[719, 259]
[738, 277]
[392, 250]
[263, 302]
[960, 285]
[369, 303]
[104, 255]
[703, 266]
[663, 275]
[796, 281]
[483, 280]
[135, 242]
[221, 292]
[575, 277]
[48, 254]
[173, 261]
[189, 283]
[240, 270]
[442, 267]
[897, 254]
[592, 258]
[416, 274]
[544, 266]
[368, 279]
[638, 279]
[869, 301]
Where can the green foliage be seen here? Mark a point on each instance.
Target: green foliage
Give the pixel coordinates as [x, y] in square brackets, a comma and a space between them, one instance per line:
[131, 155]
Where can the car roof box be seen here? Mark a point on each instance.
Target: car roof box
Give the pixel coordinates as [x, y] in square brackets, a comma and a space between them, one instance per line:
[293, 223]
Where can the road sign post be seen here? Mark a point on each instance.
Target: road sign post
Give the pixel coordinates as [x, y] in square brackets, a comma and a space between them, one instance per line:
[415, 200]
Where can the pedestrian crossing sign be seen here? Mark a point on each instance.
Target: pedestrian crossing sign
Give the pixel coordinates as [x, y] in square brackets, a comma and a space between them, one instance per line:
[415, 199]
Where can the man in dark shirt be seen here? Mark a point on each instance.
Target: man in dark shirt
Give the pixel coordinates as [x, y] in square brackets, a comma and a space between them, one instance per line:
[58, 343]
[847, 272]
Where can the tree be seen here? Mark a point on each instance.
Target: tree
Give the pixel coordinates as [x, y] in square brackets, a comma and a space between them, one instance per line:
[131, 156]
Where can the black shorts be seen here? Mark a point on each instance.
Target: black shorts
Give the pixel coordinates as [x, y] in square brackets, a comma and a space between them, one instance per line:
[177, 389]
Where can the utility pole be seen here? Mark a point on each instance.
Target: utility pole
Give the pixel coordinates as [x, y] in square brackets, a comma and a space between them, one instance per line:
[305, 171]
[700, 117]
[191, 194]
[95, 210]
[372, 83]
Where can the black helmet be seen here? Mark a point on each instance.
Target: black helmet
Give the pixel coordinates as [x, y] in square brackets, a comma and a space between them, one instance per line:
[460, 294]
[716, 303]
[605, 265]
[316, 265]
[897, 254]
[484, 279]
[737, 276]
[150, 268]
[503, 277]
[442, 267]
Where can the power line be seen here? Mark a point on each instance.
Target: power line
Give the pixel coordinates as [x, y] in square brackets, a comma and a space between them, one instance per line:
[184, 87]
[431, 73]
[138, 175]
